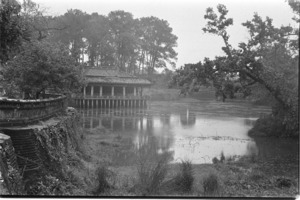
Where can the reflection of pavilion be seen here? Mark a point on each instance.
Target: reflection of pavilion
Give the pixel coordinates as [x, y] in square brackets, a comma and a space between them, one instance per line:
[188, 118]
[116, 119]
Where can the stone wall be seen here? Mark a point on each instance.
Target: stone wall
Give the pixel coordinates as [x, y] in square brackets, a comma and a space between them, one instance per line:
[10, 178]
[42, 148]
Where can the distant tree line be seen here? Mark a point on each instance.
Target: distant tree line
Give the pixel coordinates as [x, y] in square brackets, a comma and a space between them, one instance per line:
[137, 46]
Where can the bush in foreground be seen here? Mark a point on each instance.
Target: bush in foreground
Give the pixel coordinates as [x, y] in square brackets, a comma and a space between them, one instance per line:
[211, 185]
[184, 179]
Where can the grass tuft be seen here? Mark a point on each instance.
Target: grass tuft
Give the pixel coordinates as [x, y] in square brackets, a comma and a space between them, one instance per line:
[211, 185]
[151, 176]
[104, 176]
[184, 179]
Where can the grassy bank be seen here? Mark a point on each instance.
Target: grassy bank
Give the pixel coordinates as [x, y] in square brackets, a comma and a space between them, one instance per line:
[162, 94]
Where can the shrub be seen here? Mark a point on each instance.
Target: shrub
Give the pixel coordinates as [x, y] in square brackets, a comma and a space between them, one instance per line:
[256, 176]
[103, 177]
[222, 157]
[183, 181]
[210, 184]
[215, 160]
[152, 170]
[151, 176]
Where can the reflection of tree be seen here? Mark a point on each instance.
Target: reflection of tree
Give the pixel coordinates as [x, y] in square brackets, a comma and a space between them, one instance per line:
[187, 118]
[150, 146]
[284, 149]
[147, 148]
[252, 148]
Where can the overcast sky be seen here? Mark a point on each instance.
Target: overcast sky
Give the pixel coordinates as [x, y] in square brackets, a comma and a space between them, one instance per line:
[186, 19]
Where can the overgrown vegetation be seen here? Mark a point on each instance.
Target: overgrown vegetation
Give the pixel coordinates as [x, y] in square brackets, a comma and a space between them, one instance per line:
[63, 155]
[183, 181]
[31, 64]
[104, 176]
[211, 185]
[152, 172]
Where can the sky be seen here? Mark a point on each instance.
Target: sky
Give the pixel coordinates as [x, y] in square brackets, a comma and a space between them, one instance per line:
[186, 18]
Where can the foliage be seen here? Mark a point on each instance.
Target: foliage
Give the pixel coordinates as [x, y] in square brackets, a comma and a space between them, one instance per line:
[152, 170]
[103, 177]
[118, 39]
[41, 66]
[97, 34]
[184, 179]
[151, 176]
[73, 24]
[11, 32]
[37, 25]
[15, 181]
[211, 185]
[60, 150]
[158, 43]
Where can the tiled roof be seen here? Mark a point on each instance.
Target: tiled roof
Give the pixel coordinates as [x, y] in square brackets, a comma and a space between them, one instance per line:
[111, 76]
[107, 73]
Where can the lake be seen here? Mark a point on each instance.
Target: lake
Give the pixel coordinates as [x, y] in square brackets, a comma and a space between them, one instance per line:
[197, 131]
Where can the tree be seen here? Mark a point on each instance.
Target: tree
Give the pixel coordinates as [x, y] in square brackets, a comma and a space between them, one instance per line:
[75, 22]
[41, 66]
[124, 43]
[157, 44]
[37, 24]
[11, 29]
[97, 34]
[268, 61]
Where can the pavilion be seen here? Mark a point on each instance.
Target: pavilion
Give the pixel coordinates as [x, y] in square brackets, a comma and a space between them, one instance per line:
[109, 87]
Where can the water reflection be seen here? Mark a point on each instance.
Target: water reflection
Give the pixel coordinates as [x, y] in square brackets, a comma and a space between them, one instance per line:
[182, 133]
[188, 118]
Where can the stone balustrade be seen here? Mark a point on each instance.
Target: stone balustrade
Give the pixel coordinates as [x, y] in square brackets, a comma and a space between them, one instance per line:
[19, 112]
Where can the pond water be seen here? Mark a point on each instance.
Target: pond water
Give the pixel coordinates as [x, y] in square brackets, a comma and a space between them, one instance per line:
[197, 131]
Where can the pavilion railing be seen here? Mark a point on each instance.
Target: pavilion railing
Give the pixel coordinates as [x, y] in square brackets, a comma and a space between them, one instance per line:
[18, 112]
[111, 97]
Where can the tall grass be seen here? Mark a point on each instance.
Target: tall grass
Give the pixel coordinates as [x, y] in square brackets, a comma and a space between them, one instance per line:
[151, 176]
[152, 170]
[211, 185]
[183, 181]
[104, 175]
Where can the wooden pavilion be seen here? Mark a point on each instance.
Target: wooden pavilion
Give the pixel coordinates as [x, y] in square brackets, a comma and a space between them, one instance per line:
[111, 88]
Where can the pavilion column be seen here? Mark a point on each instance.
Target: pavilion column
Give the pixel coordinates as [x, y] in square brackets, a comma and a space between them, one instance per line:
[100, 92]
[112, 91]
[92, 90]
[124, 91]
[84, 91]
[134, 91]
